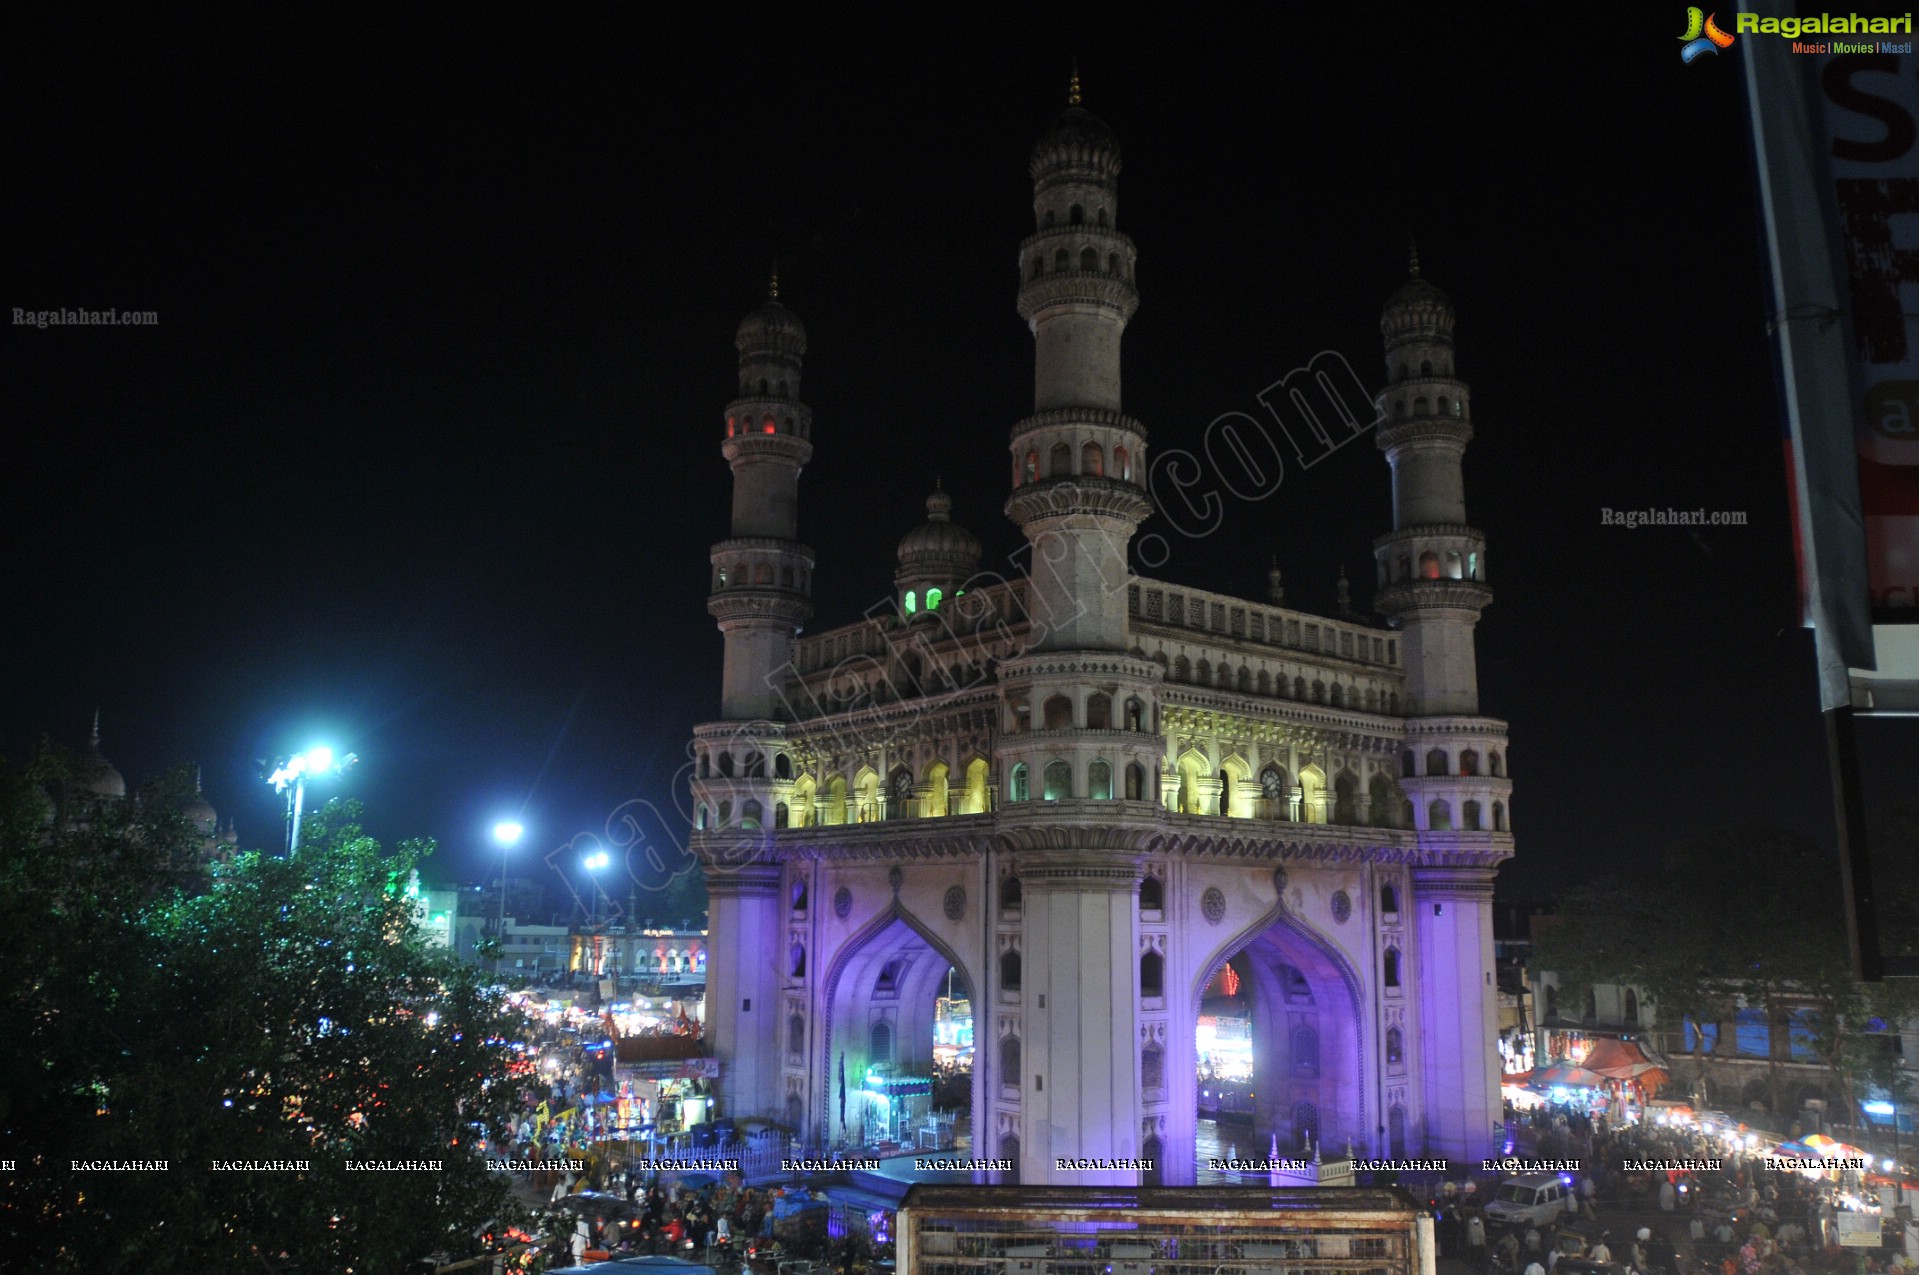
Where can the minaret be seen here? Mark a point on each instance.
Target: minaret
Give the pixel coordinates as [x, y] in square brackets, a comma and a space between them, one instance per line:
[1432, 566]
[1431, 577]
[1079, 465]
[763, 576]
[762, 591]
[1070, 749]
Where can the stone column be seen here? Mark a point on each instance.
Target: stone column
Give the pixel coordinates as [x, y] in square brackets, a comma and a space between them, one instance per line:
[1451, 973]
[1080, 1009]
[743, 981]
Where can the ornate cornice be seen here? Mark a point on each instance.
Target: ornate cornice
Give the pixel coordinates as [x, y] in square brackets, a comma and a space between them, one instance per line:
[1432, 595]
[1074, 418]
[1439, 429]
[1078, 287]
[1080, 496]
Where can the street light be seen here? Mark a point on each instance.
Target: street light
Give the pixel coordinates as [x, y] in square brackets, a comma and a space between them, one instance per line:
[290, 777]
[506, 835]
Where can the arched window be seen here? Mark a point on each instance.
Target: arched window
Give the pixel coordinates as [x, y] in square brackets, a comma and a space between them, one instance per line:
[1135, 782]
[1152, 894]
[1592, 1007]
[1152, 974]
[1009, 1065]
[836, 800]
[1395, 1047]
[782, 766]
[1495, 764]
[1299, 688]
[1038, 266]
[1099, 711]
[1419, 406]
[1016, 787]
[1346, 799]
[1379, 812]
[1009, 970]
[1203, 671]
[1099, 781]
[1436, 762]
[1152, 1067]
[1089, 260]
[1469, 817]
[1092, 460]
[1112, 264]
[1059, 781]
[1392, 705]
[1245, 679]
[726, 765]
[1122, 465]
[1425, 367]
[1445, 409]
[1305, 1053]
[1632, 1008]
[1439, 817]
[726, 814]
[1076, 215]
[1391, 964]
[881, 1050]
[796, 1035]
[1469, 762]
[1265, 682]
[1010, 894]
[1388, 899]
[706, 765]
[1429, 565]
[1032, 465]
[704, 816]
[1499, 817]
[1062, 259]
[1306, 1124]
[750, 815]
[1057, 712]
[797, 960]
[1337, 696]
[1319, 691]
[1059, 461]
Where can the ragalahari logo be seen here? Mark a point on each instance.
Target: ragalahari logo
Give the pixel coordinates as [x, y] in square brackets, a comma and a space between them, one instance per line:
[1702, 36]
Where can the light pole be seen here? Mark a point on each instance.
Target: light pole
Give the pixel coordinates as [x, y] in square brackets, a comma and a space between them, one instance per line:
[290, 777]
[506, 835]
[595, 860]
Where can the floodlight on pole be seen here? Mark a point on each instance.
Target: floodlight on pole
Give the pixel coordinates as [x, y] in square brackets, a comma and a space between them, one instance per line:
[290, 777]
[506, 835]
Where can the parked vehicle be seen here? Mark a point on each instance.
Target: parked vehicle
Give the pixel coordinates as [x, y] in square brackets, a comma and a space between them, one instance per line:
[1531, 1199]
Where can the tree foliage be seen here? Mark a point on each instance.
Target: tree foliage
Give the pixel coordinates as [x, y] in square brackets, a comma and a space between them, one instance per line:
[1744, 917]
[292, 1012]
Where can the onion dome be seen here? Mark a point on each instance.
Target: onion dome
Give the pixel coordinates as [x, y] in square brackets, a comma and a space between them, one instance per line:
[98, 775]
[198, 811]
[771, 329]
[939, 541]
[1417, 309]
[936, 557]
[1076, 144]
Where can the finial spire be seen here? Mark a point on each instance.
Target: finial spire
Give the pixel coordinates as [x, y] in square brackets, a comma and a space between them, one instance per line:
[1072, 88]
[773, 283]
[95, 740]
[1412, 254]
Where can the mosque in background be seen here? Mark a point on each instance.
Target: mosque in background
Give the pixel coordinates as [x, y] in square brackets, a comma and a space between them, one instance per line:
[1092, 795]
[100, 780]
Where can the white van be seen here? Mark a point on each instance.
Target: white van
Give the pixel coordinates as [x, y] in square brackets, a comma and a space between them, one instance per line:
[1531, 1199]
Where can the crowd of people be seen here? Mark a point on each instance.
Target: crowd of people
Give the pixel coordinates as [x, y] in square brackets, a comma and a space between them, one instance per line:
[1741, 1218]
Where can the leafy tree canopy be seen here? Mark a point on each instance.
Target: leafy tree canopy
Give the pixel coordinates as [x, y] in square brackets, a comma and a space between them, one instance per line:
[290, 1012]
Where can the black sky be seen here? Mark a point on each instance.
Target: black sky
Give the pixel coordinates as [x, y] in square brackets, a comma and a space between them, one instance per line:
[423, 453]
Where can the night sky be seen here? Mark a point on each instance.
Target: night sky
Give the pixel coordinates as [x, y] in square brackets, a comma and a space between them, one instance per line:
[422, 458]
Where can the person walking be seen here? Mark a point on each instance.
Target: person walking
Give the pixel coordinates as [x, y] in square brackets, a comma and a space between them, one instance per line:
[1601, 1252]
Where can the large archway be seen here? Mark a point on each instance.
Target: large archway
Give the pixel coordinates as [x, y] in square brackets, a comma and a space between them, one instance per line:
[1278, 1037]
[899, 1040]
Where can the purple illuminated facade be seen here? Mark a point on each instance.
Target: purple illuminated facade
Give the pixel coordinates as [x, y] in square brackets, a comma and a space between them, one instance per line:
[1087, 791]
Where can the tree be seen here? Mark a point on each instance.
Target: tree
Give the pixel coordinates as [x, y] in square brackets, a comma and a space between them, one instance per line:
[292, 1013]
[1742, 917]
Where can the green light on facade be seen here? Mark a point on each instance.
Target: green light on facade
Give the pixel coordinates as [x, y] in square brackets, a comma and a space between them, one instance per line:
[932, 599]
[912, 602]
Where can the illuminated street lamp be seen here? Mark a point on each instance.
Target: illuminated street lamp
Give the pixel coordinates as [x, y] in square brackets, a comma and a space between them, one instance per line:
[290, 777]
[595, 861]
[506, 835]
